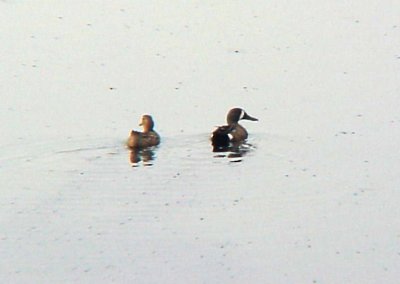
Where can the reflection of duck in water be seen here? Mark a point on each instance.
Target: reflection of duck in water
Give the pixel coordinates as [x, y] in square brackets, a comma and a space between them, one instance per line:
[140, 143]
[144, 139]
[232, 134]
[146, 155]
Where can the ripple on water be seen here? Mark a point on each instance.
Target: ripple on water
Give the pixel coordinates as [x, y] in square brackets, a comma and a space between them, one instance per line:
[182, 171]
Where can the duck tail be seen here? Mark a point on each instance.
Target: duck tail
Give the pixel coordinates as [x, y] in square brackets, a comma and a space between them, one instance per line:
[220, 137]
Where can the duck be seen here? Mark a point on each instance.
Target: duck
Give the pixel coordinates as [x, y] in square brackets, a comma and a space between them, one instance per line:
[233, 132]
[148, 138]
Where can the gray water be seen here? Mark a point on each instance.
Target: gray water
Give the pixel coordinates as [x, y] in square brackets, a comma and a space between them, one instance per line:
[312, 197]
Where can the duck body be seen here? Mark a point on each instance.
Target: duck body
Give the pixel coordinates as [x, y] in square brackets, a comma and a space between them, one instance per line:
[223, 136]
[139, 139]
[148, 138]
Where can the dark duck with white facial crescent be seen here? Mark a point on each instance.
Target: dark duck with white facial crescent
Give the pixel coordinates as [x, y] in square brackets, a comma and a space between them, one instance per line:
[233, 132]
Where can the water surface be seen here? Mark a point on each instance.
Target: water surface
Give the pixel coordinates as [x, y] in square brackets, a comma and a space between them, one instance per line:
[311, 198]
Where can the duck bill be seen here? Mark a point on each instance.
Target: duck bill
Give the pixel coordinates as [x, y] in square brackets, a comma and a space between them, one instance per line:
[248, 117]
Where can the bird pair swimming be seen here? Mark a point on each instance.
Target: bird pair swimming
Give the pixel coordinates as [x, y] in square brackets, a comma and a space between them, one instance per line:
[221, 138]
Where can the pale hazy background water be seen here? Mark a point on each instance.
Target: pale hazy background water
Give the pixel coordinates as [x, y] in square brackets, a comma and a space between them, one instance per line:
[314, 199]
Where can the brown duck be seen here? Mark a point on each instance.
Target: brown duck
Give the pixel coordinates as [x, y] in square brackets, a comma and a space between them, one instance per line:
[144, 139]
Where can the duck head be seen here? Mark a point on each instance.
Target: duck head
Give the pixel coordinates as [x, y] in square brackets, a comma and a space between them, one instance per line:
[147, 123]
[236, 114]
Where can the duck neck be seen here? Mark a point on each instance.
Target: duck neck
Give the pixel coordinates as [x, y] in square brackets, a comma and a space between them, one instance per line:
[147, 130]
